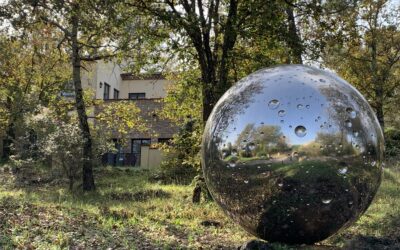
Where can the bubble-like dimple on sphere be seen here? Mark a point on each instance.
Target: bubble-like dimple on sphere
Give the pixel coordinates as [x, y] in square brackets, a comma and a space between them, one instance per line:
[273, 104]
[300, 131]
[289, 173]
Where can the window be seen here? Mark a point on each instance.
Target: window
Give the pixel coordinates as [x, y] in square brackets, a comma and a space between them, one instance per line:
[116, 94]
[106, 91]
[167, 141]
[136, 96]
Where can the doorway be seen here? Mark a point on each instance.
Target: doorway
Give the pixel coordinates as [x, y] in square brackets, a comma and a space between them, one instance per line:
[137, 149]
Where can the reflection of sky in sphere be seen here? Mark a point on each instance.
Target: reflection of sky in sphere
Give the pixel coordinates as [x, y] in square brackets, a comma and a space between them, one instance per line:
[298, 105]
[289, 100]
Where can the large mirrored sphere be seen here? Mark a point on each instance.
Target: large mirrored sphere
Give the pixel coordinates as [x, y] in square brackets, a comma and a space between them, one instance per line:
[293, 154]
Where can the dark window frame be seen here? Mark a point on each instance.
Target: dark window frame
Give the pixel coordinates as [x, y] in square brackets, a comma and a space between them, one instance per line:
[138, 154]
[167, 141]
[106, 93]
[116, 93]
[137, 96]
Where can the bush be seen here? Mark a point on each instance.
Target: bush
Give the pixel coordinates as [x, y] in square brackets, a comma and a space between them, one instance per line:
[182, 161]
[392, 142]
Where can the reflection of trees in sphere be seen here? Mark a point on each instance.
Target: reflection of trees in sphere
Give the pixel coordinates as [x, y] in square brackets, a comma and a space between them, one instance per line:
[293, 154]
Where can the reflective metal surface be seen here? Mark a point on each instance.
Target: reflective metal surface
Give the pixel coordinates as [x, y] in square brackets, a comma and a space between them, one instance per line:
[293, 154]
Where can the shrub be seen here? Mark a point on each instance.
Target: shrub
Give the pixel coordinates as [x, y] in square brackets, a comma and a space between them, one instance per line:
[392, 142]
[182, 159]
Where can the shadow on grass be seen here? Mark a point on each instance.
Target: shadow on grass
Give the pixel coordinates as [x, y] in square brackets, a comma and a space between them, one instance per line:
[372, 243]
[114, 186]
[80, 229]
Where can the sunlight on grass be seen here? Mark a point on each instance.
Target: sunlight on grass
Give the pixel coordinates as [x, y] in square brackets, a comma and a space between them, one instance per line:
[127, 210]
[382, 217]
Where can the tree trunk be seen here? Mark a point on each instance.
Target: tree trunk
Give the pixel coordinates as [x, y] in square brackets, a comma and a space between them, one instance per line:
[379, 95]
[208, 104]
[214, 82]
[71, 183]
[10, 133]
[87, 170]
[10, 137]
[196, 194]
[380, 116]
[230, 37]
[293, 38]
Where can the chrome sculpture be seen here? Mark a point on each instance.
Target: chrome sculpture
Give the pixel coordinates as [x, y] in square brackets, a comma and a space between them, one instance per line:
[293, 154]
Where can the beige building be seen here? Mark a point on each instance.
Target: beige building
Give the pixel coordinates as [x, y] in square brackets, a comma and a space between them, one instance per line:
[111, 84]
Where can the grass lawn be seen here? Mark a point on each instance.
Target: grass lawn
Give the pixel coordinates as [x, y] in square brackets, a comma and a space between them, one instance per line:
[129, 212]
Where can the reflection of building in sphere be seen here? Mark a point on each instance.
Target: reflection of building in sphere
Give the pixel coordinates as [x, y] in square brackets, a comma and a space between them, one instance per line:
[293, 154]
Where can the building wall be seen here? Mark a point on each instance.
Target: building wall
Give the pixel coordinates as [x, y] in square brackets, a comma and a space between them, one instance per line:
[104, 72]
[156, 127]
[154, 88]
[110, 73]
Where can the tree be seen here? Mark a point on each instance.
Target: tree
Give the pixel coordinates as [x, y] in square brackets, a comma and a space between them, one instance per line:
[63, 143]
[31, 75]
[366, 51]
[183, 106]
[293, 39]
[309, 23]
[358, 39]
[89, 30]
[212, 28]
[117, 119]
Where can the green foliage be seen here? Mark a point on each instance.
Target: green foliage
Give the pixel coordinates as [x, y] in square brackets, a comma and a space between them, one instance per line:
[392, 142]
[183, 106]
[182, 157]
[64, 146]
[260, 142]
[118, 119]
[184, 97]
[60, 141]
[364, 49]
[31, 74]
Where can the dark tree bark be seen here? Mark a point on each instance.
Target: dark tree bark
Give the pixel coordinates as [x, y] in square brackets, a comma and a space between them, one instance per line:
[377, 82]
[212, 54]
[10, 135]
[196, 194]
[7, 142]
[293, 39]
[380, 115]
[87, 168]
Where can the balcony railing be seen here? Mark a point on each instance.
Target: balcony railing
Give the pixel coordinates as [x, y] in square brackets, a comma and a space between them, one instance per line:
[121, 159]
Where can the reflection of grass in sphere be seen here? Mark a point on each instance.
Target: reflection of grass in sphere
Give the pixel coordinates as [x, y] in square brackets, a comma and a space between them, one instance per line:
[303, 193]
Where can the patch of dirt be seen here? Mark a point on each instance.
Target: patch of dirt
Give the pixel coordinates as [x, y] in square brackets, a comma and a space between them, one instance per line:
[210, 223]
